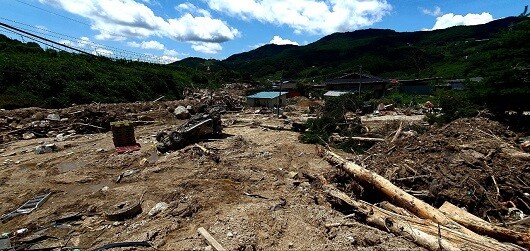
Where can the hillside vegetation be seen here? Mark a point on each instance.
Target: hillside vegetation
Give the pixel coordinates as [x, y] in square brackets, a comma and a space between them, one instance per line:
[498, 51]
[32, 76]
[454, 52]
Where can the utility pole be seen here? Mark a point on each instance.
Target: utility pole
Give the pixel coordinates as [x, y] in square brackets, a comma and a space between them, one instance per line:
[360, 79]
[280, 95]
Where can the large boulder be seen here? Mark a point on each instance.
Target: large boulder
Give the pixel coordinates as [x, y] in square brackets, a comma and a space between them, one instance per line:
[181, 112]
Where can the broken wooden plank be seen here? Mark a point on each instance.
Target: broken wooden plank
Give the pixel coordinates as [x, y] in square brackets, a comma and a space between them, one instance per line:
[398, 132]
[398, 196]
[483, 227]
[419, 207]
[337, 138]
[209, 238]
[424, 233]
[215, 157]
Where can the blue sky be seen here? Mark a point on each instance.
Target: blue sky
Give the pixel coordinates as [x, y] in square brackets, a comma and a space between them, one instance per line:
[168, 30]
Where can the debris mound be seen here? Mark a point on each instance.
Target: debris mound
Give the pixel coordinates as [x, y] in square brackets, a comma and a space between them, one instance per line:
[472, 163]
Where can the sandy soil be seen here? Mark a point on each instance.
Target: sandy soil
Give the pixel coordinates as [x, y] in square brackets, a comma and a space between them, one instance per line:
[264, 194]
[82, 174]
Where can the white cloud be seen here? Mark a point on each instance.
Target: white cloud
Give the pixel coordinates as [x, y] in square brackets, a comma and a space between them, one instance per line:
[102, 52]
[191, 8]
[170, 52]
[308, 16]
[435, 13]
[168, 59]
[82, 43]
[281, 41]
[122, 19]
[207, 48]
[134, 44]
[450, 20]
[149, 45]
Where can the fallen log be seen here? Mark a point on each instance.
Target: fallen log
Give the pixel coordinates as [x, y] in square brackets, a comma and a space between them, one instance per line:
[337, 138]
[483, 227]
[424, 233]
[277, 128]
[396, 194]
[419, 207]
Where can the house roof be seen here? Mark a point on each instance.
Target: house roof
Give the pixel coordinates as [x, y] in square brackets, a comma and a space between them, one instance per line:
[334, 93]
[267, 95]
[355, 78]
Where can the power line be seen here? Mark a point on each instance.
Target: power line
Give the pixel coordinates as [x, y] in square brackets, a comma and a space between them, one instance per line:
[73, 39]
[63, 16]
[51, 12]
[29, 37]
[42, 38]
[115, 53]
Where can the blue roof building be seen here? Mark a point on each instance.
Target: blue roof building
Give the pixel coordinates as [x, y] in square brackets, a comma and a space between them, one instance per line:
[267, 99]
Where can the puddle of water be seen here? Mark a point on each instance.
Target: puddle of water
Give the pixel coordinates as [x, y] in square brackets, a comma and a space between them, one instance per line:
[69, 166]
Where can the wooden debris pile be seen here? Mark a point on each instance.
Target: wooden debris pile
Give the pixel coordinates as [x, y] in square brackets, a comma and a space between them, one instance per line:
[471, 178]
[447, 228]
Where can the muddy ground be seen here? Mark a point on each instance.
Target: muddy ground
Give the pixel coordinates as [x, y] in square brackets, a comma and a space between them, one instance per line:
[262, 195]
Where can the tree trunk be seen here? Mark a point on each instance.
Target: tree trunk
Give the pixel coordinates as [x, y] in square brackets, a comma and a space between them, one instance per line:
[419, 207]
[483, 227]
[424, 233]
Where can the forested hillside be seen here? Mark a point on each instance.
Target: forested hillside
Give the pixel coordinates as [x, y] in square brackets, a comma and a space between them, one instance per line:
[453, 52]
[498, 51]
[32, 76]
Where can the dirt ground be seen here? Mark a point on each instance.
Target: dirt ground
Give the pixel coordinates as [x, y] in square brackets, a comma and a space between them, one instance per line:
[81, 175]
[262, 195]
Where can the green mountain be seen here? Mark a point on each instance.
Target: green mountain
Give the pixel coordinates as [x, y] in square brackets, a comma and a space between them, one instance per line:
[445, 53]
[32, 76]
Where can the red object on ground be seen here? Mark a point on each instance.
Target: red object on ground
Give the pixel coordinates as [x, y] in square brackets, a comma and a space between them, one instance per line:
[124, 149]
[123, 136]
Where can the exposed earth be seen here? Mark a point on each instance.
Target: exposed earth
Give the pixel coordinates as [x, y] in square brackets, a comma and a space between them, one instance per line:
[263, 194]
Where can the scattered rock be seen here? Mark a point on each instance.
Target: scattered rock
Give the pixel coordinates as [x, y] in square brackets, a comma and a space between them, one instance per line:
[53, 117]
[181, 112]
[28, 135]
[47, 148]
[60, 137]
[38, 116]
[159, 207]
[293, 175]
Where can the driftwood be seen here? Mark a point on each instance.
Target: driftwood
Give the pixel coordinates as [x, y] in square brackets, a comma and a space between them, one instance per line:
[277, 128]
[337, 138]
[214, 156]
[398, 132]
[396, 194]
[209, 238]
[483, 227]
[89, 125]
[424, 233]
[419, 207]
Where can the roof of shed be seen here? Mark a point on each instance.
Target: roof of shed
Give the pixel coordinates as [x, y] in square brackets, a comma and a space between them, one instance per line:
[334, 93]
[267, 95]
